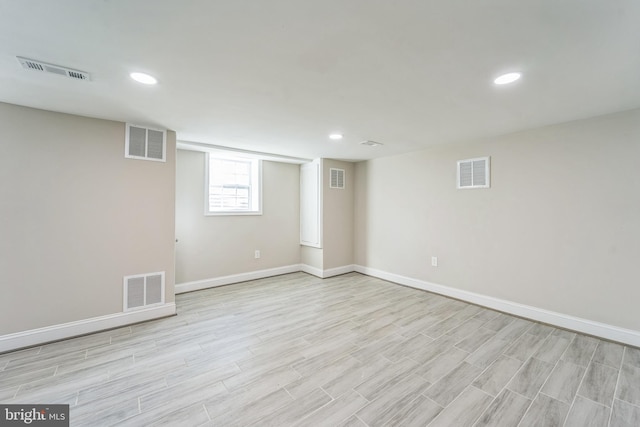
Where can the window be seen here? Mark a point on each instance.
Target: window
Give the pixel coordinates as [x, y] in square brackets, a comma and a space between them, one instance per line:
[233, 186]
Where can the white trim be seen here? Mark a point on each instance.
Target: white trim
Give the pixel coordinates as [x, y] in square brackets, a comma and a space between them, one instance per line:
[181, 288]
[203, 147]
[323, 274]
[338, 271]
[318, 164]
[314, 271]
[82, 327]
[602, 330]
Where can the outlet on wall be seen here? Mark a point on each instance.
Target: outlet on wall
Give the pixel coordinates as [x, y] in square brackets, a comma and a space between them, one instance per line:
[434, 261]
[257, 254]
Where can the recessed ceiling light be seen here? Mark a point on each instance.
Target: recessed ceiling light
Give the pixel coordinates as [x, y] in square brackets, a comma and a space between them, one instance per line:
[507, 78]
[335, 136]
[143, 78]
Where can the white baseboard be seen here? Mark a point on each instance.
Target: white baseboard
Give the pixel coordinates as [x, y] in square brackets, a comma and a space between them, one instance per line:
[311, 270]
[338, 271]
[602, 330]
[181, 288]
[82, 327]
[323, 274]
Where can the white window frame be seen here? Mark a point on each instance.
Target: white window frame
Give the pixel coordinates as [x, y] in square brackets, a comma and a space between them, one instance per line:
[255, 187]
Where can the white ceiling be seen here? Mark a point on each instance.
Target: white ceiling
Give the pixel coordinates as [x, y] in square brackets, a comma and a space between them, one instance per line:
[278, 76]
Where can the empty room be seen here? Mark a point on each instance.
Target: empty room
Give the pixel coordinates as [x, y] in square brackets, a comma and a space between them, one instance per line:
[319, 213]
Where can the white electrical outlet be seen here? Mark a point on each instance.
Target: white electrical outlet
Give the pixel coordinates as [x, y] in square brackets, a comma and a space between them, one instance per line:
[257, 254]
[434, 261]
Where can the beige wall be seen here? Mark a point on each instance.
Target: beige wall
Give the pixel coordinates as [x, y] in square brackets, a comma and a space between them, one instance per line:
[311, 256]
[76, 217]
[216, 246]
[337, 217]
[559, 228]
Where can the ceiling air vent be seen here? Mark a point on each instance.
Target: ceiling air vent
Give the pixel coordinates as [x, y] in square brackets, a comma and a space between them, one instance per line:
[473, 173]
[336, 178]
[371, 143]
[31, 64]
[143, 290]
[145, 144]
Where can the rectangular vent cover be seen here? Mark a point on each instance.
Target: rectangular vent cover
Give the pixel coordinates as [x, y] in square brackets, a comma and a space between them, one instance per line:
[371, 143]
[143, 290]
[473, 173]
[146, 144]
[32, 64]
[336, 178]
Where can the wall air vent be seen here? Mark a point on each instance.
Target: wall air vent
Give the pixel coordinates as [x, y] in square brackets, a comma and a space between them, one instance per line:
[143, 290]
[371, 143]
[145, 144]
[336, 178]
[473, 173]
[32, 64]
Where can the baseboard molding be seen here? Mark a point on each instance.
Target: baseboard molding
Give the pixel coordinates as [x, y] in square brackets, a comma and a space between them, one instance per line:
[338, 271]
[311, 270]
[323, 274]
[197, 285]
[47, 334]
[602, 330]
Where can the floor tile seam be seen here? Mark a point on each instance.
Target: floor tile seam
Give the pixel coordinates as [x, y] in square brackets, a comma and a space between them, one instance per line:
[433, 401]
[551, 373]
[458, 397]
[361, 420]
[288, 392]
[594, 401]
[333, 399]
[519, 394]
[387, 424]
[206, 412]
[530, 406]
[589, 365]
[573, 402]
[496, 398]
[626, 401]
[524, 363]
[505, 386]
[539, 391]
[575, 336]
[517, 360]
[400, 375]
[629, 403]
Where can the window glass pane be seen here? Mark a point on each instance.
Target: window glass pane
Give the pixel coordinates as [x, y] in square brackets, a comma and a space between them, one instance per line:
[230, 185]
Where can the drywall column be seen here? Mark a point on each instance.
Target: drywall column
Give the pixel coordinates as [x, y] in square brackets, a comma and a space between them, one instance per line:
[331, 251]
[77, 217]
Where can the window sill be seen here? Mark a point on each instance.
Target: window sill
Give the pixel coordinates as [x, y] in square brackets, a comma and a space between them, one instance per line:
[232, 213]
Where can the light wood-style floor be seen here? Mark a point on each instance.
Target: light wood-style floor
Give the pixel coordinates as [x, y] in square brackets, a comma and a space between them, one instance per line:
[346, 351]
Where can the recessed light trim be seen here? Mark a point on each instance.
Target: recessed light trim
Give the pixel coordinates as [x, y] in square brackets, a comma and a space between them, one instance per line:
[336, 136]
[143, 78]
[505, 79]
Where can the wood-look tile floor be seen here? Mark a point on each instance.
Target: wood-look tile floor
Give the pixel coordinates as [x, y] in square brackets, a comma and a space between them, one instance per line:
[346, 351]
